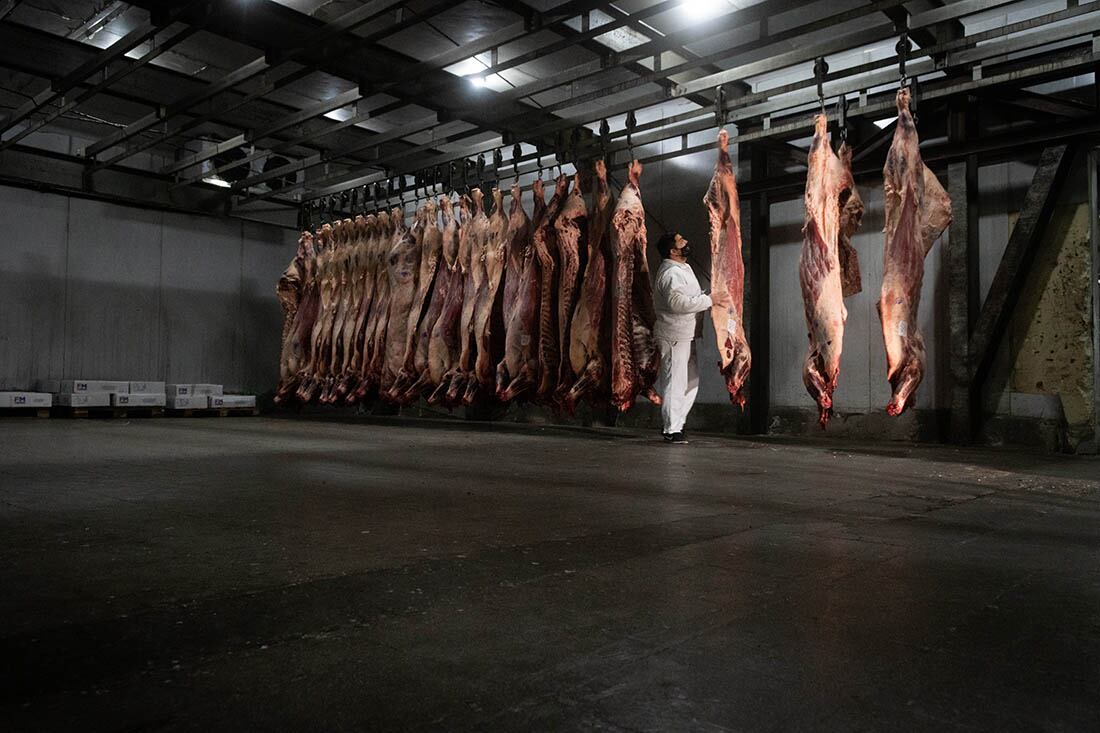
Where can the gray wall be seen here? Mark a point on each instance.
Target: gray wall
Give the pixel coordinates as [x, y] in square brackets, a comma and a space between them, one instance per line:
[98, 291]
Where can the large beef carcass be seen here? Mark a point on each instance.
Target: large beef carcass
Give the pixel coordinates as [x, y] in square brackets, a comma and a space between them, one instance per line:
[311, 375]
[547, 252]
[345, 267]
[635, 359]
[727, 274]
[444, 347]
[441, 291]
[918, 210]
[374, 337]
[571, 235]
[828, 187]
[297, 294]
[487, 310]
[363, 284]
[471, 250]
[349, 342]
[518, 369]
[589, 342]
[403, 267]
[429, 240]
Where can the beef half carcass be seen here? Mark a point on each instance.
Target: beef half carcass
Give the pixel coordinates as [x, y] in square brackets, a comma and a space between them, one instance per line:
[444, 348]
[471, 248]
[289, 292]
[487, 309]
[727, 274]
[364, 282]
[517, 371]
[571, 235]
[918, 210]
[429, 241]
[635, 360]
[403, 266]
[828, 186]
[547, 253]
[295, 351]
[311, 373]
[589, 343]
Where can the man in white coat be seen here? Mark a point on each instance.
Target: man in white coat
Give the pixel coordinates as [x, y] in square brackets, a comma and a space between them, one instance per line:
[680, 302]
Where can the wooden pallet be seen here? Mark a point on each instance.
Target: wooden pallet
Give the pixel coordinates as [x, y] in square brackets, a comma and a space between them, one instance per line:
[24, 412]
[108, 413]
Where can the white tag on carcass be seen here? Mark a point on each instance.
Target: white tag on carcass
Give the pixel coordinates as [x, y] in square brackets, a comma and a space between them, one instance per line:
[903, 328]
[731, 325]
[525, 339]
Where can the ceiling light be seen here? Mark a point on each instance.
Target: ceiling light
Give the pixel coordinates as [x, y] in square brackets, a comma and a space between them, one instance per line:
[217, 181]
[479, 81]
[703, 9]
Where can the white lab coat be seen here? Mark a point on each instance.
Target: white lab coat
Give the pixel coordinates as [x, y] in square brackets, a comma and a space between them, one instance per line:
[679, 300]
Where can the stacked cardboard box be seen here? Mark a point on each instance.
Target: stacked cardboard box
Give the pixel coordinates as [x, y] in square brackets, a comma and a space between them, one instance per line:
[25, 399]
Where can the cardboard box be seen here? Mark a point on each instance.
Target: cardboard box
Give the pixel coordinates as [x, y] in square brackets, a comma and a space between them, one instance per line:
[206, 389]
[178, 390]
[138, 400]
[25, 399]
[233, 400]
[187, 402]
[80, 386]
[83, 399]
[146, 387]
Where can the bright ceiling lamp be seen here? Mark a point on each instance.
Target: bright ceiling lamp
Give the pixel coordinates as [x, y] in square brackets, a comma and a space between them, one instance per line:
[705, 9]
[479, 81]
[216, 181]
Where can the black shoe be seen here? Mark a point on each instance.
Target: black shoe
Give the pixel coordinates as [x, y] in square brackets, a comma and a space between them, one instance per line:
[667, 437]
[677, 439]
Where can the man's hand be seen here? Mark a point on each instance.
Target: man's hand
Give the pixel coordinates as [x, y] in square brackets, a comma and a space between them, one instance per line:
[721, 298]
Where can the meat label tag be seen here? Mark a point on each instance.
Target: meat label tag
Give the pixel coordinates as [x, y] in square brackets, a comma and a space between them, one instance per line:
[903, 328]
[525, 340]
[731, 325]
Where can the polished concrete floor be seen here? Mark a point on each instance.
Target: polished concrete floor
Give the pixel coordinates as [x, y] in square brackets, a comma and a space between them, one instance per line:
[277, 574]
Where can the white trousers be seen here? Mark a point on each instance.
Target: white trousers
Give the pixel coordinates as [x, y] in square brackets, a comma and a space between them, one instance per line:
[679, 382]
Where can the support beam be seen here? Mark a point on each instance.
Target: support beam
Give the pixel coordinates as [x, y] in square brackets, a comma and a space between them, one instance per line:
[1094, 229]
[754, 237]
[963, 288]
[1004, 292]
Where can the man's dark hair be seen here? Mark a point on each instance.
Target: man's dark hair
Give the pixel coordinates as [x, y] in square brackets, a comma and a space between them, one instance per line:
[666, 244]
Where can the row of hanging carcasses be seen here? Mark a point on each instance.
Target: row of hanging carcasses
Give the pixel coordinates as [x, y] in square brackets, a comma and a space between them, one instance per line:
[473, 306]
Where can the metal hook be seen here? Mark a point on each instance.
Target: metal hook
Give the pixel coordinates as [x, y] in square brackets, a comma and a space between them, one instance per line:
[821, 68]
[903, 48]
[631, 124]
[517, 153]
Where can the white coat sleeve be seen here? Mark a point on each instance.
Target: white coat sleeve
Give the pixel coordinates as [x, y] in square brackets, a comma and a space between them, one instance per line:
[673, 290]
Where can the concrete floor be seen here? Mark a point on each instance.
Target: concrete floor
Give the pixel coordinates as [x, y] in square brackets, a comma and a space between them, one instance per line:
[273, 574]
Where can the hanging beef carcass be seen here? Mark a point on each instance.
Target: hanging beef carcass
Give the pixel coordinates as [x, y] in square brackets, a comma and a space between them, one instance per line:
[429, 241]
[312, 373]
[589, 339]
[441, 291]
[487, 310]
[571, 236]
[635, 359]
[345, 269]
[518, 370]
[297, 291]
[918, 210]
[828, 187]
[374, 337]
[851, 216]
[472, 241]
[402, 265]
[727, 274]
[363, 283]
[546, 250]
[348, 343]
[444, 349]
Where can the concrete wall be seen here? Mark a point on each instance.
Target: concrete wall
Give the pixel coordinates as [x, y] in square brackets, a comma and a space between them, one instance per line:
[94, 290]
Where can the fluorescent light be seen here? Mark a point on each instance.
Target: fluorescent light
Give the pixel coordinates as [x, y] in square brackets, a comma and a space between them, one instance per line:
[704, 9]
[479, 81]
[217, 181]
[884, 123]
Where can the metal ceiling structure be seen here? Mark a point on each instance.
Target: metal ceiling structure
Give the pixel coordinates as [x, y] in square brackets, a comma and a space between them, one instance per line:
[258, 107]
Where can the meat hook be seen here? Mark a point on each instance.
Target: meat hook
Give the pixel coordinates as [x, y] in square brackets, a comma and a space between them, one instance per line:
[517, 153]
[821, 68]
